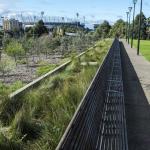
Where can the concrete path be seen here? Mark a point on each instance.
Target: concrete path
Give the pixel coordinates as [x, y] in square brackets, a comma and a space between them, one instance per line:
[142, 68]
[136, 75]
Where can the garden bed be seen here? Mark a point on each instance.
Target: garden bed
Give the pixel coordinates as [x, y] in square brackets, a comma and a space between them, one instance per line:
[38, 119]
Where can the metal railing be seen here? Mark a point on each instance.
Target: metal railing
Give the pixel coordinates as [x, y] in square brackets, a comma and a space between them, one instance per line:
[99, 122]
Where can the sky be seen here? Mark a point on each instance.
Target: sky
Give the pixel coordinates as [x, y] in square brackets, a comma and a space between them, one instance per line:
[95, 10]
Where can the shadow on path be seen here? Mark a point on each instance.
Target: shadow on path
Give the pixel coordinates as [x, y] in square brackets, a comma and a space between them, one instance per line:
[137, 107]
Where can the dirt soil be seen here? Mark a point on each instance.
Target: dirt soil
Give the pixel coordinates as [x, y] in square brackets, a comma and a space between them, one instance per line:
[27, 74]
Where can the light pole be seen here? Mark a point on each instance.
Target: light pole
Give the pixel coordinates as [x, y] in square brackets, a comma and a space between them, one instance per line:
[139, 35]
[127, 26]
[130, 9]
[134, 3]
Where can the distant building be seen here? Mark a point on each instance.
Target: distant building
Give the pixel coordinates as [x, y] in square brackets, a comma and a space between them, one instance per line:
[11, 25]
[52, 25]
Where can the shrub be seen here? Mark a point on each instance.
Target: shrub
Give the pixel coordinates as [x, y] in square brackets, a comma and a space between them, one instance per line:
[24, 127]
[8, 109]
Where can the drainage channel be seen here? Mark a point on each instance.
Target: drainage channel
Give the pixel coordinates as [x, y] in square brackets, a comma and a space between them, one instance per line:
[99, 122]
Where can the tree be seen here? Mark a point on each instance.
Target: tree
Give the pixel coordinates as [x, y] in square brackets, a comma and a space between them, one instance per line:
[148, 27]
[103, 30]
[29, 32]
[14, 48]
[143, 27]
[118, 29]
[40, 28]
[6, 65]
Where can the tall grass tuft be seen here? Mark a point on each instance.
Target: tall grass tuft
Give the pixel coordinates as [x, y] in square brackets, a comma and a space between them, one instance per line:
[24, 127]
[9, 144]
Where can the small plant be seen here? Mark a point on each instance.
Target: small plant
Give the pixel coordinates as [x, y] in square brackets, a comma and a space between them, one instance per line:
[14, 48]
[6, 65]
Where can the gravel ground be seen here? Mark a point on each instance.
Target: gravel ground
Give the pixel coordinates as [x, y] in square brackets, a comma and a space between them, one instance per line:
[28, 74]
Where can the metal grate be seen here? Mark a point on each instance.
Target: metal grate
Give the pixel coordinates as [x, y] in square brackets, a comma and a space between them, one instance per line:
[99, 123]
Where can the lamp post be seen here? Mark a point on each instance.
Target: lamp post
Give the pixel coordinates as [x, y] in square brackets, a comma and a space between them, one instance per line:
[127, 26]
[130, 9]
[134, 3]
[139, 34]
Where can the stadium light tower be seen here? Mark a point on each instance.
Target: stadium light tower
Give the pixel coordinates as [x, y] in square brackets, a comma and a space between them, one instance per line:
[130, 9]
[77, 14]
[42, 14]
[139, 34]
[134, 3]
[127, 26]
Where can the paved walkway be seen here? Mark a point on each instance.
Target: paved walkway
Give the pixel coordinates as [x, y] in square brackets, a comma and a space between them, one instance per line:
[142, 68]
[136, 74]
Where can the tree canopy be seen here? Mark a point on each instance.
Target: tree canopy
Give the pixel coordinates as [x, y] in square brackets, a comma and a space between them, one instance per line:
[118, 29]
[143, 27]
[103, 30]
[40, 28]
[14, 48]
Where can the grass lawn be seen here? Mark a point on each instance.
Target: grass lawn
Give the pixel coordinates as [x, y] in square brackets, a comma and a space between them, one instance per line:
[144, 48]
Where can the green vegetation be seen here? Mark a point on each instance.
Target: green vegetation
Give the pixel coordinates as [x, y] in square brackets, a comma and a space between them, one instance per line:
[38, 119]
[45, 68]
[144, 48]
[144, 30]
[14, 48]
[5, 90]
[118, 29]
[105, 30]
[36, 31]
[6, 65]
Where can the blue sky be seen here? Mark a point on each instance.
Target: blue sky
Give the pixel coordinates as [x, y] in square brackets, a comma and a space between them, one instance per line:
[110, 10]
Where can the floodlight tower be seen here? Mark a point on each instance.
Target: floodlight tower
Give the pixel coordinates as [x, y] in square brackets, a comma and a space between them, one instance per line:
[77, 14]
[42, 14]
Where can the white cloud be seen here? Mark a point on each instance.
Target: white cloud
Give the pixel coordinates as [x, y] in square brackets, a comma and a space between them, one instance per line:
[6, 5]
